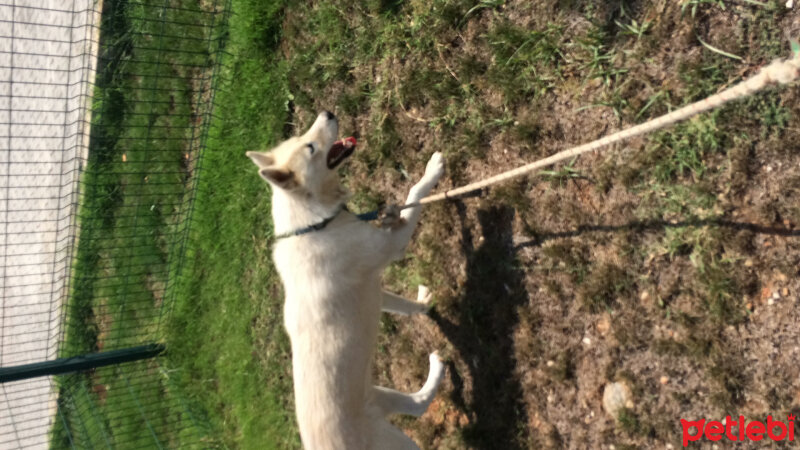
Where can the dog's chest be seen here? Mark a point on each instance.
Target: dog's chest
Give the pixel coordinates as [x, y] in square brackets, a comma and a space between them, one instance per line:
[324, 291]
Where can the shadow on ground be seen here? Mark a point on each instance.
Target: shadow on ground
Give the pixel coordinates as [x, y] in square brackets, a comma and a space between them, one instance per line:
[650, 225]
[483, 334]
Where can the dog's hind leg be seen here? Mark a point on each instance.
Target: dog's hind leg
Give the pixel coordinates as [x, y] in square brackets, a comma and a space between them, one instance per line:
[399, 305]
[390, 401]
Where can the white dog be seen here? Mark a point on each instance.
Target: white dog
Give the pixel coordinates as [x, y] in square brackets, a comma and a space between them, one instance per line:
[330, 263]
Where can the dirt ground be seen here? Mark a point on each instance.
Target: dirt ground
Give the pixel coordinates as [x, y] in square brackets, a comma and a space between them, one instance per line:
[669, 264]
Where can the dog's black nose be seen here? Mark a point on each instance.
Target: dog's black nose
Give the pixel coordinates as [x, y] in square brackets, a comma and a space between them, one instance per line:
[329, 115]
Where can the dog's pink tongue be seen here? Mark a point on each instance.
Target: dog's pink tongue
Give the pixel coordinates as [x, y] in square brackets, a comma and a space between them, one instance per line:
[347, 142]
[340, 150]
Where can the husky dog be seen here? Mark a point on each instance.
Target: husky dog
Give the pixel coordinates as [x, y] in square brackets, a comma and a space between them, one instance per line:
[330, 263]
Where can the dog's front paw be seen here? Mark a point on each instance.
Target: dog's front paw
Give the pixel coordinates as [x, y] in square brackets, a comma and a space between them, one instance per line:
[390, 217]
[435, 168]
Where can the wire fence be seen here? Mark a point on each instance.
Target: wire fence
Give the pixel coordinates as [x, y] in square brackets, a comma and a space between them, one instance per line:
[105, 108]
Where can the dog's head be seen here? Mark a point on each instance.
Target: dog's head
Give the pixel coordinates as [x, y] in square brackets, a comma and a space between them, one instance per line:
[305, 165]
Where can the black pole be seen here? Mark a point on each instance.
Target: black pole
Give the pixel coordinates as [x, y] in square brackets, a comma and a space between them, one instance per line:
[79, 363]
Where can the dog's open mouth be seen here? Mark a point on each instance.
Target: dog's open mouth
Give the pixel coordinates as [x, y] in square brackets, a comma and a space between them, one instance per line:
[340, 150]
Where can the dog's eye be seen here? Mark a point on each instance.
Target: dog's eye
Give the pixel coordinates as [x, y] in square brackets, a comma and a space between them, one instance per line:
[311, 149]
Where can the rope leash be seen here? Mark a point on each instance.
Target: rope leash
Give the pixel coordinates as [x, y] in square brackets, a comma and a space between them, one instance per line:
[777, 72]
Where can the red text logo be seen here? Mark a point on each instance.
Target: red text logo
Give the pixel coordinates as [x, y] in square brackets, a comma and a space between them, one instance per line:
[714, 430]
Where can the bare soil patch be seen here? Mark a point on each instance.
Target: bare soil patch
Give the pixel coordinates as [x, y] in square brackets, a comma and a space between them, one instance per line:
[669, 264]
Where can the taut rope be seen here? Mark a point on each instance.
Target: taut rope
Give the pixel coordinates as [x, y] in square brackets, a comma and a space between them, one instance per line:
[777, 72]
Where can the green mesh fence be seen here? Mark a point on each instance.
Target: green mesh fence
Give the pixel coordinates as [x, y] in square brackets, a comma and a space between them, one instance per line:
[106, 106]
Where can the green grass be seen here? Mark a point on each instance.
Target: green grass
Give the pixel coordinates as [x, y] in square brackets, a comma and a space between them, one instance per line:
[227, 353]
[135, 197]
[226, 336]
[527, 60]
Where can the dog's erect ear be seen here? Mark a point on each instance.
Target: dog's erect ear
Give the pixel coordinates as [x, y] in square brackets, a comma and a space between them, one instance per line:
[282, 178]
[261, 159]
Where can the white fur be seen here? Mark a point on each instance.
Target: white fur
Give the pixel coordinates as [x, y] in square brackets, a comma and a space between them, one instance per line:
[331, 279]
